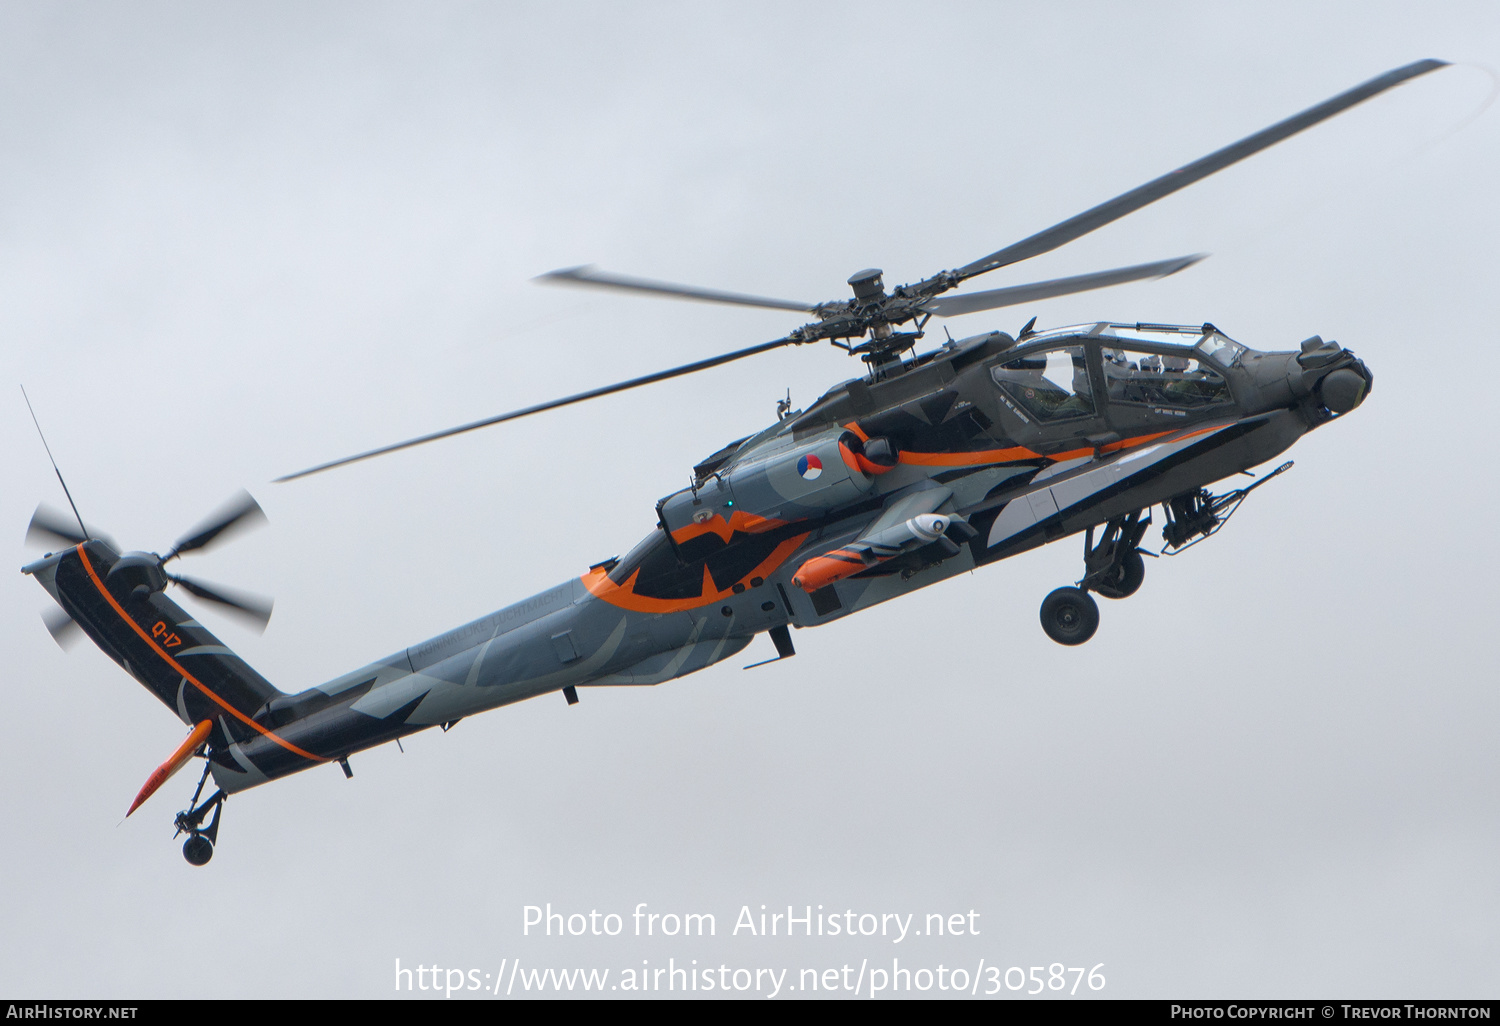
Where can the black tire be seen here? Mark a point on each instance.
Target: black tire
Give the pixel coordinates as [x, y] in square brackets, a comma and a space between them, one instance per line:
[1124, 578]
[198, 850]
[1070, 616]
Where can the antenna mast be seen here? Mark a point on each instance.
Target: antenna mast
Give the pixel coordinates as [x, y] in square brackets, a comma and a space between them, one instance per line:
[60, 480]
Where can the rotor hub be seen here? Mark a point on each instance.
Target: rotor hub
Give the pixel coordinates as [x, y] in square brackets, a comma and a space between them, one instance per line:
[868, 286]
[134, 570]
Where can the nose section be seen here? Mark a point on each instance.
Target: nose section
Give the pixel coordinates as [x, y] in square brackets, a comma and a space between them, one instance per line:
[1338, 379]
[1343, 389]
[1333, 377]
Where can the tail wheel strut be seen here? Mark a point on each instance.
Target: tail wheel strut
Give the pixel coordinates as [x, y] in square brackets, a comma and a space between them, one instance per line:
[199, 847]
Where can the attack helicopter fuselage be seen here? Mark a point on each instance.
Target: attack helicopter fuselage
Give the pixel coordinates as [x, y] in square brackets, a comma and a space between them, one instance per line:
[999, 446]
[929, 466]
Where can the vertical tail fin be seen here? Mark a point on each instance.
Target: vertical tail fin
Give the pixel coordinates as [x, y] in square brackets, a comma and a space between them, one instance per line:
[178, 660]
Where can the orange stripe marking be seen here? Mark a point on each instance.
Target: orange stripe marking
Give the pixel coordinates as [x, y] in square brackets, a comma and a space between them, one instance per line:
[624, 596]
[968, 459]
[848, 457]
[231, 710]
[973, 459]
[748, 523]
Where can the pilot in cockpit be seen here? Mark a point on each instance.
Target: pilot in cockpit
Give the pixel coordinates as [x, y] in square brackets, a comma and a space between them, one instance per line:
[1050, 385]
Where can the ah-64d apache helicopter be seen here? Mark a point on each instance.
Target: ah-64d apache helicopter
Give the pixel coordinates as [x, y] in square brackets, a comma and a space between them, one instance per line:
[928, 466]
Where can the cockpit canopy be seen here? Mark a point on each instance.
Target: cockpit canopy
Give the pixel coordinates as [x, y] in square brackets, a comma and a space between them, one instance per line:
[1052, 384]
[1148, 364]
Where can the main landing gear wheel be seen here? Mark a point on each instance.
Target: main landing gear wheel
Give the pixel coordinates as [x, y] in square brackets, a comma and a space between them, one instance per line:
[1124, 576]
[1070, 616]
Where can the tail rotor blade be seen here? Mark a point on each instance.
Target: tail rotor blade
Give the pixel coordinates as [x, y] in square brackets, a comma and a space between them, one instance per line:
[253, 609]
[48, 525]
[239, 512]
[63, 628]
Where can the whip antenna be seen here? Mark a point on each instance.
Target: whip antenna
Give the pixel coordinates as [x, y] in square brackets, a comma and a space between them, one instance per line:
[60, 480]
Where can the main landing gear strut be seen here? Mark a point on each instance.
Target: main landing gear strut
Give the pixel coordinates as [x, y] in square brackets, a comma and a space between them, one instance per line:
[199, 847]
[1114, 568]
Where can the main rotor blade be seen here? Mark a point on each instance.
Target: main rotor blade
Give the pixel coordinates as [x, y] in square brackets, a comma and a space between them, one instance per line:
[1135, 199]
[239, 512]
[252, 608]
[952, 306]
[595, 393]
[588, 276]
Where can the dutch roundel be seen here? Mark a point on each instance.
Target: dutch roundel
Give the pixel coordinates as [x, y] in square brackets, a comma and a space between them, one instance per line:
[809, 467]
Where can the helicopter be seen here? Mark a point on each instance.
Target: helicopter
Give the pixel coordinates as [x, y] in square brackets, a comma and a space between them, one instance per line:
[928, 465]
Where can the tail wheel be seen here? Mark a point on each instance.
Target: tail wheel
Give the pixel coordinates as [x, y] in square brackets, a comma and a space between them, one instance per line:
[1070, 616]
[199, 847]
[198, 850]
[1124, 578]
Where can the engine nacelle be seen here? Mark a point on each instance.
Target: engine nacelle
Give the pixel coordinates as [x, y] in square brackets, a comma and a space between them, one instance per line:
[793, 482]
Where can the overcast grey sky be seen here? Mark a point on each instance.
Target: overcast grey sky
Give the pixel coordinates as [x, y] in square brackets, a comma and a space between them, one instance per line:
[239, 240]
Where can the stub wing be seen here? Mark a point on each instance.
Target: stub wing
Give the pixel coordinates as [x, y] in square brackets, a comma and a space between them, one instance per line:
[1092, 481]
